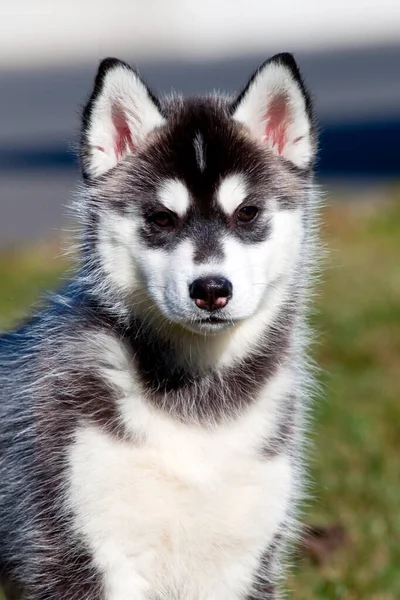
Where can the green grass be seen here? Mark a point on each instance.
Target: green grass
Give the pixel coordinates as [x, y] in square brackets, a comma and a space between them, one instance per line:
[355, 464]
[24, 274]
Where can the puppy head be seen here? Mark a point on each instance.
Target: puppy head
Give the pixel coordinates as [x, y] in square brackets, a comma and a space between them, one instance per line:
[195, 207]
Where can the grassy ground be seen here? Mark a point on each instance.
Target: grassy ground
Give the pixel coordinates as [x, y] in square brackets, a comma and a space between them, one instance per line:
[354, 461]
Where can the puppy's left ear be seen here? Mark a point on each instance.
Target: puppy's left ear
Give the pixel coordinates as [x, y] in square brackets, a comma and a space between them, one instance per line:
[276, 108]
[119, 116]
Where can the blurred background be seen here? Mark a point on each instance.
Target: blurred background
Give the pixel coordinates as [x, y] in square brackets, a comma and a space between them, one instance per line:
[349, 53]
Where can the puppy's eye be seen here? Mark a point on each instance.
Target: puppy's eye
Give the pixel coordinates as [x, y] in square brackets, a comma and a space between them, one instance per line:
[163, 220]
[247, 214]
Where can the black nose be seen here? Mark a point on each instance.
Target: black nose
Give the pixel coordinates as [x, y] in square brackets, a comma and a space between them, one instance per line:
[211, 293]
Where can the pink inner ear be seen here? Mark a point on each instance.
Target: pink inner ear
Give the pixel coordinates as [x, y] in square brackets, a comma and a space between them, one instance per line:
[123, 141]
[277, 120]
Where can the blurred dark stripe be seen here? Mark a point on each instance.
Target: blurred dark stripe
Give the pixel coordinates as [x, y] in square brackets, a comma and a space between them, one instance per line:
[48, 157]
[367, 149]
[346, 149]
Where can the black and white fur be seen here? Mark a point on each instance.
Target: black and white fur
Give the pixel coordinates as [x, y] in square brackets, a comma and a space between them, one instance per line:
[151, 449]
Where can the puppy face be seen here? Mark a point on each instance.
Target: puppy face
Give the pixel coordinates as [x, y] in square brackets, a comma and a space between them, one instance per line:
[197, 205]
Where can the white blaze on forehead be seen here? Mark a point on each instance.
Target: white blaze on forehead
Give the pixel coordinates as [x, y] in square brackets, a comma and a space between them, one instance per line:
[174, 195]
[232, 192]
[198, 144]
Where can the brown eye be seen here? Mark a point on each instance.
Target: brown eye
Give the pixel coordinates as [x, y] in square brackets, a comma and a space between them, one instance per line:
[163, 220]
[247, 214]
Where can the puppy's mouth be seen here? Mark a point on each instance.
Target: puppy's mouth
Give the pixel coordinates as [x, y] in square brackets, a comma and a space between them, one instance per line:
[213, 319]
[212, 323]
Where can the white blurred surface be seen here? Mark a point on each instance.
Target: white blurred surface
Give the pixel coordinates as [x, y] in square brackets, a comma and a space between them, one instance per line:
[46, 32]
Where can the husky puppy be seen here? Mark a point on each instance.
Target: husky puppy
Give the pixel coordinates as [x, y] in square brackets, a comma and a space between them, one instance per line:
[151, 414]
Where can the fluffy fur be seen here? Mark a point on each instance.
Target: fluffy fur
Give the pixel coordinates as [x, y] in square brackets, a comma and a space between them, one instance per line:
[150, 449]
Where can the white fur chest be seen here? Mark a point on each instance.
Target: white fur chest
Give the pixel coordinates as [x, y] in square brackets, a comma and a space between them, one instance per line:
[184, 515]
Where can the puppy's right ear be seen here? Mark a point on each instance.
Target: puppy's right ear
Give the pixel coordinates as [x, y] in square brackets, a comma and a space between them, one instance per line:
[276, 109]
[120, 113]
